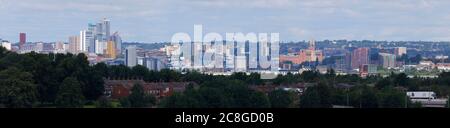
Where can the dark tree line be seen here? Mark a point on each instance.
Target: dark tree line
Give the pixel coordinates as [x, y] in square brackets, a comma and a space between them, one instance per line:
[67, 80]
[34, 80]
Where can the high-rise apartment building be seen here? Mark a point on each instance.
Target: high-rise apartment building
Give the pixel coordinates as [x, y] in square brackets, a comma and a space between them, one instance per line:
[387, 60]
[360, 56]
[399, 51]
[131, 56]
[83, 41]
[59, 46]
[111, 49]
[100, 47]
[74, 45]
[91, 34]
[118, 42]
[106, 29]
[87, 41]
[22, 39]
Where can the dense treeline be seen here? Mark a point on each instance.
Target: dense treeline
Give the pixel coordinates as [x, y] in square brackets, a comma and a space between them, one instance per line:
[67, 80]
[40, 80]
[218, 93]
[327, 90]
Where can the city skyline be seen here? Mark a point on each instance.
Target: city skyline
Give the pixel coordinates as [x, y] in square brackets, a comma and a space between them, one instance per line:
[157, 21]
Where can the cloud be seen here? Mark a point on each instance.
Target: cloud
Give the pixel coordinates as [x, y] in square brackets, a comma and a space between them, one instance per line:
[156, 20]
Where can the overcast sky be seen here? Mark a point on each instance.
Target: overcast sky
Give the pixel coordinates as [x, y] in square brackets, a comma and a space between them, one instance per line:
[158, 20]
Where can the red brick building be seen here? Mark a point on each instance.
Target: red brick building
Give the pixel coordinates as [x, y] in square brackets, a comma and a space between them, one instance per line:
[116, 89]
[305, 55]
[22, 39]
[360, 56]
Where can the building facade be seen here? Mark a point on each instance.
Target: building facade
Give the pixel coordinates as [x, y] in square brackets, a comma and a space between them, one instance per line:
[360, 56]
[131, 56]
[74, 45]
[22, 39]
[387, 60]
[305, 55]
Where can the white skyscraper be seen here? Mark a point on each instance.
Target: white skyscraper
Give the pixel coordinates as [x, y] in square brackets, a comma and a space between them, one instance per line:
[100, 47]
[96, 36]
[99, 32]
[130, 56]
[83, 41]
[106, 29]
[91, 33]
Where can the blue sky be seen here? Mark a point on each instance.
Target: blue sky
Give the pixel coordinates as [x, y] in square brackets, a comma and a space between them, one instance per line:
[158, 20]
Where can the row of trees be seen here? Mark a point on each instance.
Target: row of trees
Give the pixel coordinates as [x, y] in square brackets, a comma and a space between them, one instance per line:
[226, 93]
[325, 96]
[47, 80]
[218, 93]
[67, 80]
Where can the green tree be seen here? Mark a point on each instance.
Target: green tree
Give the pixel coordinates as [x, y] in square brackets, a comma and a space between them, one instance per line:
[363, 96]
[401, 80]
[310, 76]
[102, 69]
[124, 102]
[139, 71]
[281, 99]
[92, 84]
[318, 96]
[3, 52]
[392, 98]
[260, 100]
[138, 98]
[383, 83]
[47, 77]
[103, 102]
[213, 97]
[254, 79]
[168, 75]
[310, 99]
[119, 72]
[70, 94]
[369, 98]
[178, 100]
[17, 88]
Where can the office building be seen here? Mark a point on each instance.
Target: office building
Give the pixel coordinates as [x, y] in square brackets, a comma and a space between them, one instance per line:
[90, 34]
[387, 60]
[100, 47]
[106, 29]
[305, 55]
[22, 39]
[118, 41]
[154, 64]
[131, 56]
[87, 40]
[399, 51]
[111, 50]
[83, 41]
[368, 70]
[74, 45]
[360, 56]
